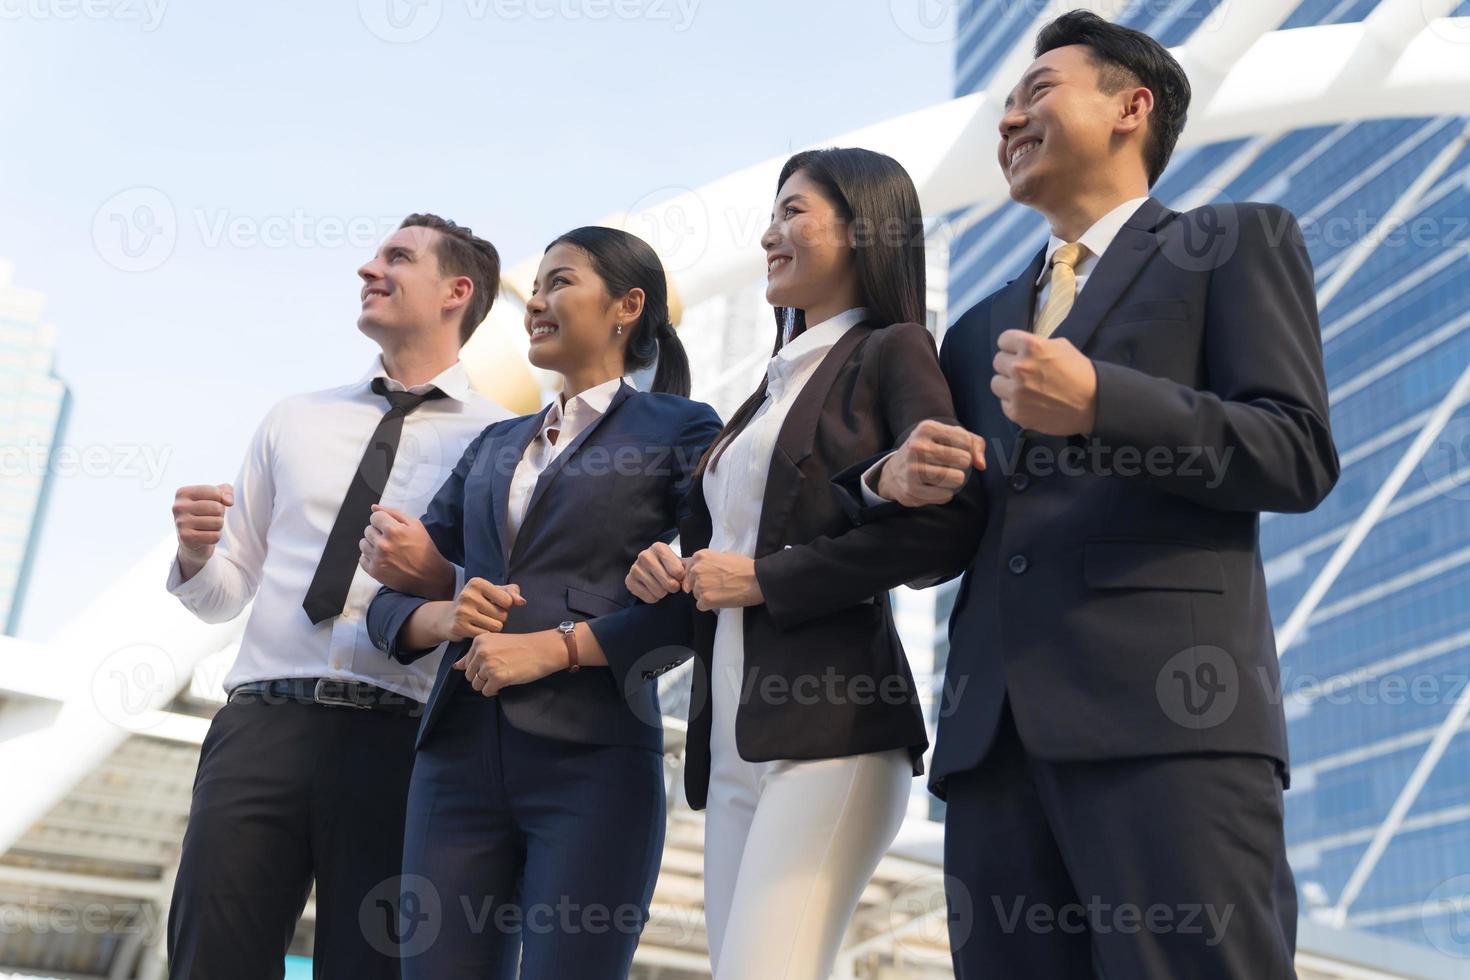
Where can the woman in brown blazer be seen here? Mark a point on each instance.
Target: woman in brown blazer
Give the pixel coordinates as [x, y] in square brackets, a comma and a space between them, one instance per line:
[804, 749]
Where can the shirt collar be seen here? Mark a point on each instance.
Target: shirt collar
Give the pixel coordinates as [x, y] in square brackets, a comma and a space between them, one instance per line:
[815, 339]
[596, 398]
[453, 380]
[1097, 238]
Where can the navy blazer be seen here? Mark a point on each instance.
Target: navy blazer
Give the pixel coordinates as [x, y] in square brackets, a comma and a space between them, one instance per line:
[1117, 598]
[619, 485]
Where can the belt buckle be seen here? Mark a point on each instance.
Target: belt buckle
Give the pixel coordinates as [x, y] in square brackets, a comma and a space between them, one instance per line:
[336, 702]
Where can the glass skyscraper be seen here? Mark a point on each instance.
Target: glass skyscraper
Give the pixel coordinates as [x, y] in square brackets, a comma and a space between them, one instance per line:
[33, 407]
[1382, 661]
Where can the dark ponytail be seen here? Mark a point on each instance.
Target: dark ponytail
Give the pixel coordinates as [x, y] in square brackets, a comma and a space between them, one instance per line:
[626, 262]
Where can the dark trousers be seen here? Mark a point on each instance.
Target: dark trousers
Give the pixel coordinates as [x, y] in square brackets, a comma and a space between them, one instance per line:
[521, 844]
[1168, 866]
[287, 792]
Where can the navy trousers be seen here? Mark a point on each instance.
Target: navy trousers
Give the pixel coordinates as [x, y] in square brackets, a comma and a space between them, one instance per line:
[521, 844]
[1167, 867]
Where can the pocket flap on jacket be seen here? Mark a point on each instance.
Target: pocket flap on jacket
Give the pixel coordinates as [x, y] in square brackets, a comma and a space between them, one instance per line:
[1150, 309]
[1153, 565]
[591, 604]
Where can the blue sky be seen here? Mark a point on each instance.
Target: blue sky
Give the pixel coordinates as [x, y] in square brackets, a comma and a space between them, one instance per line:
[281, 137]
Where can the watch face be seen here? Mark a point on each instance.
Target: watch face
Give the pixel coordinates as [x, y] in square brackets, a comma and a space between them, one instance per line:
[566, 626]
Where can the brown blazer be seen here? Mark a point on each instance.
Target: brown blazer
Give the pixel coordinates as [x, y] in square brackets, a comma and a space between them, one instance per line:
[825, 673]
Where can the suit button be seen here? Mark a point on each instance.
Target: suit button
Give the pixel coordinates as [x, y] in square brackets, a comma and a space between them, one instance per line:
[1020, 482]
[1019, 564]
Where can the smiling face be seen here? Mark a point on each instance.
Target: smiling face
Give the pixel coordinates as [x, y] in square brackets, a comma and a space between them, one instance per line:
[403, 288]
[810, 262]
[1060, 129]
[570, 318]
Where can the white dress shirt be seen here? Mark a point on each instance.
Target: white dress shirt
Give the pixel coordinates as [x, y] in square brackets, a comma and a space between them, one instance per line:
[295, 476]
[1096, 240]
[570, 417]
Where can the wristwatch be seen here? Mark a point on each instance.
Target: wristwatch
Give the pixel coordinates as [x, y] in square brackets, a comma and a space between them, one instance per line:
[566, 630]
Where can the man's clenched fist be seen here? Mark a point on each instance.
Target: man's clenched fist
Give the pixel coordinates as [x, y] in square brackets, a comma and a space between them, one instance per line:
[931, 465]
[199, 517]
[397, 551]
[1045, 384]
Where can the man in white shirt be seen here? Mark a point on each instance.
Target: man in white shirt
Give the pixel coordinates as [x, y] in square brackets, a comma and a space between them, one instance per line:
[304, 773]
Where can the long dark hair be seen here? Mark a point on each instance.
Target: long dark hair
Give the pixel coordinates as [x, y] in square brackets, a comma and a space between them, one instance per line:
[876, 200]
[625, 262]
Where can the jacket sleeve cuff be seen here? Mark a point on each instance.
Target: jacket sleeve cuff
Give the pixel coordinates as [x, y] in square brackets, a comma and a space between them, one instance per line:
[386, 616]
[859, 501]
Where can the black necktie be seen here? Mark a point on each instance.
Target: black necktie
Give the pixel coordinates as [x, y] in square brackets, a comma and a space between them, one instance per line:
[327, 593]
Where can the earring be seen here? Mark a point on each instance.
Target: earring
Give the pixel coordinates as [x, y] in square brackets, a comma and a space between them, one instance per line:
[620, 330]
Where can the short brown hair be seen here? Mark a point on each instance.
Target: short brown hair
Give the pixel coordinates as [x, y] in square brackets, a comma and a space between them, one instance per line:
[462, 253]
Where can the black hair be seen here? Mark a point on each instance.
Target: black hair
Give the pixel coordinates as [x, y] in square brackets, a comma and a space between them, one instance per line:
[626, 262]
[876, 199]
[1126, 57]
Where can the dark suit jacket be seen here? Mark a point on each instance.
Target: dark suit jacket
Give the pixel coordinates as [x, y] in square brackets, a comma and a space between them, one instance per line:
[1117, 597]
[825, 671]
[619, 485]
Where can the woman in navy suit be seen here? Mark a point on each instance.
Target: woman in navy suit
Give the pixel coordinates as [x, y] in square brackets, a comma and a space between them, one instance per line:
[536, 809]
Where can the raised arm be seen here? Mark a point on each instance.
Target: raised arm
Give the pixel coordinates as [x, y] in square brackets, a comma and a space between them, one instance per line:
[222, 534]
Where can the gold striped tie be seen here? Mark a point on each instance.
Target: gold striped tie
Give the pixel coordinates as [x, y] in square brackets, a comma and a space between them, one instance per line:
[1063, 288]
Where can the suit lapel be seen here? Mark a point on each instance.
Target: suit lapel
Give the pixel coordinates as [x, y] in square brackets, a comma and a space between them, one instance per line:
[503, 468]
[1114, 273]
[798, 434]
[1013, 309]
[555, 467]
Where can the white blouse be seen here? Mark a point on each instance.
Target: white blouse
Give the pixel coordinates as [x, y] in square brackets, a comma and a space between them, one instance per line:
[735, 486]
[570, 419]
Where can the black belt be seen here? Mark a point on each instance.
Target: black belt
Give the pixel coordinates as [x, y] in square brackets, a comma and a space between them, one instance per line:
[331, 691]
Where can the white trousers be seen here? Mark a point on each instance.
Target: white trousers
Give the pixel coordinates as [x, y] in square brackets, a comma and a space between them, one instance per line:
[789, 848]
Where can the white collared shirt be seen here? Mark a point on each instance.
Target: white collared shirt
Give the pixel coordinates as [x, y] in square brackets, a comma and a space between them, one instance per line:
[299, 465]
[1095, 239]
[735, 487]
[570, 418]
[735, 490]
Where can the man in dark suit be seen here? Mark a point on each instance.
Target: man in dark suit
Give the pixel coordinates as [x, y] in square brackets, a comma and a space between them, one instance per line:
[1113, 747]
